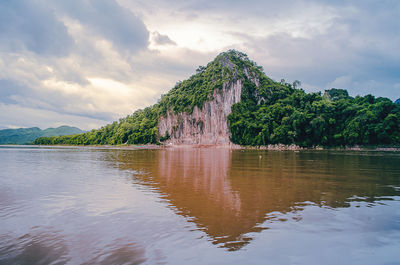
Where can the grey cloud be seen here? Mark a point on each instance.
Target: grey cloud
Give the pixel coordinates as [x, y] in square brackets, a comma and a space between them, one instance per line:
[358, 50]
[35, 25]
[18, 116]
[27, 97]
[34, 32]
[32, 25]
[360, 40]
[362, 44]
[225, 5]
[186, 63]
[321, 60]
[8, 88]
[236, 9]
[108, 19]
[161, 39]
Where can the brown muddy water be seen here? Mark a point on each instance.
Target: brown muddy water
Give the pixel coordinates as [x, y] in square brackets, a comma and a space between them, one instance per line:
[198, 206]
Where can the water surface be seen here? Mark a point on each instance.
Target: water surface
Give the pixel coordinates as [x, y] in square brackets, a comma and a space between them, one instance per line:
[198, 206]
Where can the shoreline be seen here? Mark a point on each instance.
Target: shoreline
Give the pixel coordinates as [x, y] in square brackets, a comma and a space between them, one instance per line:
[276, 147]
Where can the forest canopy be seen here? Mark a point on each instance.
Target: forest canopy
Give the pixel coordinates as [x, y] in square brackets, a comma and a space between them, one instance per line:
[334, 118]
[269, 113]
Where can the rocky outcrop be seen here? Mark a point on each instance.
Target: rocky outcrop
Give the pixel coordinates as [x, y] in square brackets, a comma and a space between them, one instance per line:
[205, 126]
[208, 125]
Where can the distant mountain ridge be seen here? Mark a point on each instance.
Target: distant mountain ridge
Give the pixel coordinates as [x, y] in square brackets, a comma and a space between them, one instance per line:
[28, 135]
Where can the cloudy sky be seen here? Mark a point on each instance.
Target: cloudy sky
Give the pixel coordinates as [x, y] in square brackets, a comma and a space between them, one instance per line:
[86, 63]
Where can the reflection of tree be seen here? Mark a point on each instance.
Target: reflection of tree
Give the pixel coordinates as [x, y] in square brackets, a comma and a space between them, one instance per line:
[40, 248]
[120, 254]
[229, 193]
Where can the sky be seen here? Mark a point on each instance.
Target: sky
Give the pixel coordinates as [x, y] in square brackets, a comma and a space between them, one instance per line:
[87, 63]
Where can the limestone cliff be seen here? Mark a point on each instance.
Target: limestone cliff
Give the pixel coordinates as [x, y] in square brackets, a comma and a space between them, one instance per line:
[207, 125]
[231, 99]
[195, 111]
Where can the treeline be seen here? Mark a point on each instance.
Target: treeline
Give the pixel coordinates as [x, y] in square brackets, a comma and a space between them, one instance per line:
[141, 126]
[279, 113]
[28, 135]
[272, 113]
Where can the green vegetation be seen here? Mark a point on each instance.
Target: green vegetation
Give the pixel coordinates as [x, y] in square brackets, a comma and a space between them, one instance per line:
[28, 135]
[141, 126]
[138, 128]
[291, 116]
[271, 113]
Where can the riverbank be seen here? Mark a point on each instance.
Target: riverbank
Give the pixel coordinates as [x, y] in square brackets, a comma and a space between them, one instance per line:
[276, 147]
[116, 147]
[282, 147]
[292, 147]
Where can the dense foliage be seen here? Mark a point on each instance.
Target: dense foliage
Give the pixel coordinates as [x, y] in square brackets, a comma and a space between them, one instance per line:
[141, 126]
[291, 116]
[271, 113]
[28, 135]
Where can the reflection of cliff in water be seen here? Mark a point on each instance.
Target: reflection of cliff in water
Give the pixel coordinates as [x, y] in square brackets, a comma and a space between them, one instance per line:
[229, 193]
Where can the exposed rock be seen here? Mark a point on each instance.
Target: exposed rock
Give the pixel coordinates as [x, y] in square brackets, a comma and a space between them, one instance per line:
[207, 126]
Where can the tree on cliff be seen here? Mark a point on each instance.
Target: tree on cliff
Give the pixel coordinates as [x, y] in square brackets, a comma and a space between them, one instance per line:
[269, 112]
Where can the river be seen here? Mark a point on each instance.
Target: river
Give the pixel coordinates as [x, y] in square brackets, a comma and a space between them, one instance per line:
[198, 206]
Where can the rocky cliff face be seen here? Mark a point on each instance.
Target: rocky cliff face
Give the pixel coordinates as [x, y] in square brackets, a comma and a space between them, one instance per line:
[208, 125]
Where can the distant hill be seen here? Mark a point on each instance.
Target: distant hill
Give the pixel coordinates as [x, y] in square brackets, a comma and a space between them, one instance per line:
[231, 100]
[397, 101]
[28, 135]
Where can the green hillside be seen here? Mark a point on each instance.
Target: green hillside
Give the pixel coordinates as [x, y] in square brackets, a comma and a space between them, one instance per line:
[271, 113]
[292, 116]
[141, 126]
[28, 135]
